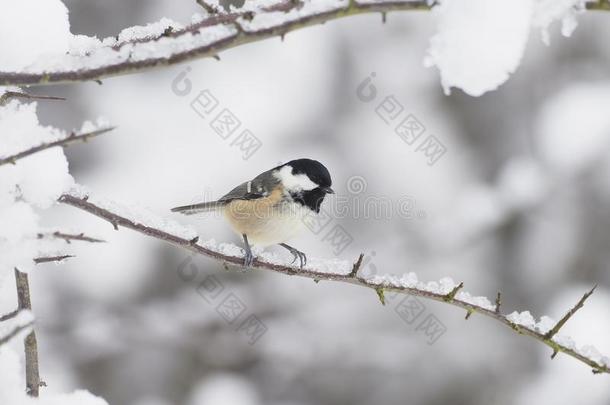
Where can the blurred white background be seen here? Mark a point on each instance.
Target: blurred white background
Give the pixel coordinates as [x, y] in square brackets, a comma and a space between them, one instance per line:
[518, 203]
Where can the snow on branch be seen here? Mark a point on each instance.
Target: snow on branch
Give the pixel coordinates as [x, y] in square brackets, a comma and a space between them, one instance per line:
[64, 140]
[445, 291]
[166, 43]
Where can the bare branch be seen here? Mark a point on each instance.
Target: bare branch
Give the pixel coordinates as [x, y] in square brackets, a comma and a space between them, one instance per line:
[571, 312]
[84, 204]
[69, 237]
[8, 316]
[451, 295]
[32, 375]
[50, 259]
[356, 266]
[9, 95]
[70, 139]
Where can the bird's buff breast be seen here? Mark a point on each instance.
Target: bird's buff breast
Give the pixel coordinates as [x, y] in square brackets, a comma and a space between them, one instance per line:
[266, 221]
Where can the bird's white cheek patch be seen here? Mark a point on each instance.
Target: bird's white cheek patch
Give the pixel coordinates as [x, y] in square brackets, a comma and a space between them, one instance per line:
[294, 182]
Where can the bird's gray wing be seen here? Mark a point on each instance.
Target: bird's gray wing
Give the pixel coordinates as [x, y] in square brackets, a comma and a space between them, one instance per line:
[259, 187]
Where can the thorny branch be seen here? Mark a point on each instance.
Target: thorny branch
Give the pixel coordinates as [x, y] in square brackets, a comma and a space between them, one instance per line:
[32, 376]
[69, 237]
[216, 18]
[567, 316]
[70, 139]
[350, 278]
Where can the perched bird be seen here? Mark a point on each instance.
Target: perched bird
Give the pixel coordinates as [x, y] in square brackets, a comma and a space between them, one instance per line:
[270, 208]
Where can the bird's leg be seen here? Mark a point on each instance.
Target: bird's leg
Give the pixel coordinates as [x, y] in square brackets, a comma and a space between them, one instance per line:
[248, 257]
[295, 254]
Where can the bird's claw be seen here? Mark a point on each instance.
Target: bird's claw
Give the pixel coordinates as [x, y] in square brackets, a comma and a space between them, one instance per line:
[297, 254]
[248, 259]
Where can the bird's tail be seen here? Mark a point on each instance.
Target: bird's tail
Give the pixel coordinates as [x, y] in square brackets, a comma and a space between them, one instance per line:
[198, 208]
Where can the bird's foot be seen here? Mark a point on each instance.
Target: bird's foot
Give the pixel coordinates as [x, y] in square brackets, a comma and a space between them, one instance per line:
[248, 259]
[248, 256]
[296, 254]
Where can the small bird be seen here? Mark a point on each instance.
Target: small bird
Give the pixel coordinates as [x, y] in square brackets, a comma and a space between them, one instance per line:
[270, 208]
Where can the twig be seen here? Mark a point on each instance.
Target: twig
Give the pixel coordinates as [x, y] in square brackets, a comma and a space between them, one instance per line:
[32, 376]
[356, 266]
[603, 5]
[8, 316]
[68, 237]
[451, 295]
[380, 295]
[9, 95]
[70, 139]
[84, 204]
[571, 312]
[49, 259]
[14, 332]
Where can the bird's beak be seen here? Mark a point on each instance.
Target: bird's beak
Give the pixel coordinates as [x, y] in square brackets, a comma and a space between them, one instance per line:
[328, 190]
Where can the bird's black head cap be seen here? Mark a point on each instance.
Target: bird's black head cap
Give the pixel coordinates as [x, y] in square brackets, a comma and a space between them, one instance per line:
[316, 171]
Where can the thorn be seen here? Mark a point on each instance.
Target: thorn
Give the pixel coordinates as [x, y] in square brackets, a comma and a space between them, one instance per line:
[98, 81]
[379, 292]
[115, 225]
[555, 351]
[597, 371]
[282, 36]
[356, 267]
[449, 297]
[468, 313]
[194, 240]
[316, 280]
[216, 57]
[571, 312]
[85, 198]
[498, 302]
[383, 17]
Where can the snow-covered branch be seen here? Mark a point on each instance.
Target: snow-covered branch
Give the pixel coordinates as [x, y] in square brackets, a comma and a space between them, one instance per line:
[445, 291]
[164, 43]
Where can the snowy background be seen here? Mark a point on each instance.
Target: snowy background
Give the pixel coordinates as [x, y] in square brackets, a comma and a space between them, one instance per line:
[517, 203]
